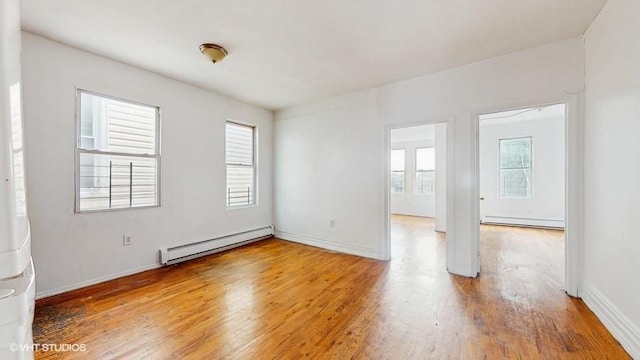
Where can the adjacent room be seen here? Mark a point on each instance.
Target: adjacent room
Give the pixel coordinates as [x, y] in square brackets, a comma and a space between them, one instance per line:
[380, 180]
[417, 199]
[522, 196]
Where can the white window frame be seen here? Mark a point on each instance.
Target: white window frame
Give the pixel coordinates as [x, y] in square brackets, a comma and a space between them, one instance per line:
[79, 150]
[530, 193]
[253, 166]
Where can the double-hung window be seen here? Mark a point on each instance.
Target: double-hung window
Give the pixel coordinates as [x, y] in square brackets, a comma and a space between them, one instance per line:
[240, 164]
[117, 153]
[515, 168]
[397, 171]
[425, 183]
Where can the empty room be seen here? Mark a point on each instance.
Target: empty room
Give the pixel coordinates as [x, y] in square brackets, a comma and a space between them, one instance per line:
[328, 180]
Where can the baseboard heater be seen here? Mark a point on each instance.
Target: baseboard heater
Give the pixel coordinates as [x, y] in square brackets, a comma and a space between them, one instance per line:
[523, 222]
[176, 254]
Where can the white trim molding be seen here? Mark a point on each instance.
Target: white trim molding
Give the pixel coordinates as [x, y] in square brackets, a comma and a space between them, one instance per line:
[574, 193]
[620, 326]
[330, 245]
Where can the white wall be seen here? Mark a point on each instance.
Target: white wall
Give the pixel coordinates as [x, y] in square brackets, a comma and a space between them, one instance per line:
[410, 203]
[546, 207]
[324, 173]
[612, 170]
[72, 250]
[337, 147]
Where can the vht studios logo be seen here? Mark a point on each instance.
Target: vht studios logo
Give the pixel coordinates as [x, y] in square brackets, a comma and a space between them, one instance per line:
[48, 347]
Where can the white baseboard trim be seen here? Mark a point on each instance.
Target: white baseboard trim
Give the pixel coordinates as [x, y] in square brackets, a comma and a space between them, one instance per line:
[620, 326]
[413, 213]
[82, 284]
[504, 220]
[329, 245]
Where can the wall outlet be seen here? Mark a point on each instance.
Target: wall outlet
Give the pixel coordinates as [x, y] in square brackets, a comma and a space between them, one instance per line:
[126, 240]
[332, 223]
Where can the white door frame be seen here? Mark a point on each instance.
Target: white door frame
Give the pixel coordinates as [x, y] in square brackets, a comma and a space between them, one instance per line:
[573, 185]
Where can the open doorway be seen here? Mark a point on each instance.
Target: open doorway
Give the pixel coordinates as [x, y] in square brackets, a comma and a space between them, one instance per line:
[417, 191]
[522, 185]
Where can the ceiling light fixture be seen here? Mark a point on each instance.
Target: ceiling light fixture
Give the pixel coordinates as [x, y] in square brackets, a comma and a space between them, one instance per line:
[213, 52]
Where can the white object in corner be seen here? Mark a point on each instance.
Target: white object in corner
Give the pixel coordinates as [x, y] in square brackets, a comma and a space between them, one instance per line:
[16, 315]
[14, 260]
[17, 280]
[620, 326]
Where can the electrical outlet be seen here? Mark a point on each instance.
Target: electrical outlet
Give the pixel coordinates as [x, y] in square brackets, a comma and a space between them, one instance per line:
[332, 223]
[126, 240]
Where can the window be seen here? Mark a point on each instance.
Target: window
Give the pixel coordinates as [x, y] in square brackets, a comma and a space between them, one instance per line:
[515, 168]
[425, 171]
[241, 166]
[397, 171]
[117, 154]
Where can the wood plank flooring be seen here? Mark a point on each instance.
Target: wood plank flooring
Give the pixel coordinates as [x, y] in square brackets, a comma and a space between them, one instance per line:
[280, 300]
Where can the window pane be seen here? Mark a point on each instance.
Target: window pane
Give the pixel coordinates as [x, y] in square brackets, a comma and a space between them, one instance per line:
[107, 180]
[515, 168]
[515, 183]
[87, 121]
[397, 182]
[239, 185]
[425, 159]
[117, 126]
[239, 154]
[239, 148]
[515, 153]
[112, 181]
[425, 182]
[397, 160]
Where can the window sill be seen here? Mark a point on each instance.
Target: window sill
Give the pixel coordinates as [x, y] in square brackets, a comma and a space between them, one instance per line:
[80, 212]
[240, 207]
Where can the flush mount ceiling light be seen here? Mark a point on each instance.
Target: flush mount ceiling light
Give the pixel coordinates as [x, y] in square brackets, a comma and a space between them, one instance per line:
[213, 52]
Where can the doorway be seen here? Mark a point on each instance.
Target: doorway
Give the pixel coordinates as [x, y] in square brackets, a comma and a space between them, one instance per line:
[522, 188]
[417, 187]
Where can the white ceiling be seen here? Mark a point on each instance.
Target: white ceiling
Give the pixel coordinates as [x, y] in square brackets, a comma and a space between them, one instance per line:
[519, 115]
[284, 52]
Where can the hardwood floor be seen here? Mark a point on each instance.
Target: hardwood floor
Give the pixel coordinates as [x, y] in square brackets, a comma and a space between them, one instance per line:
[276, 299]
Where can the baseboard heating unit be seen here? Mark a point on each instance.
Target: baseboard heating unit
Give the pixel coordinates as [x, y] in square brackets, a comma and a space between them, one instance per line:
[523, 222]
[180, 253]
